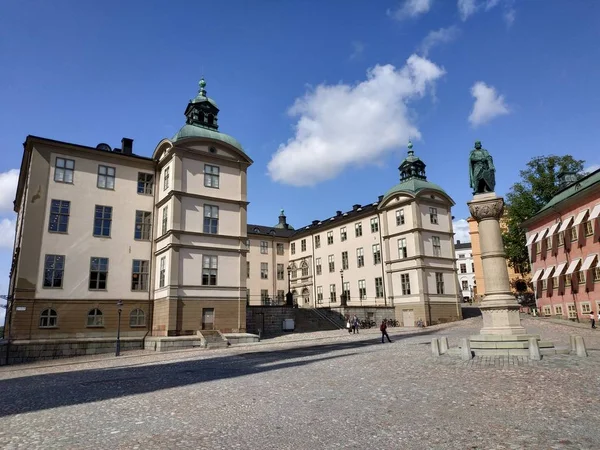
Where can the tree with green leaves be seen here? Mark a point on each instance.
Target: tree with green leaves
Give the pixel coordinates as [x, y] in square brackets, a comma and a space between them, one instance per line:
[538, 184]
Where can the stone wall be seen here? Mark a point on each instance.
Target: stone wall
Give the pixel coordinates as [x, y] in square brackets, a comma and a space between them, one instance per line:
[267, 319]
[376, 313]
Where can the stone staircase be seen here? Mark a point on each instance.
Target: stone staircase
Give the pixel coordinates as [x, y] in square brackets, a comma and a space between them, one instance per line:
[213, 339]
[511, 345]
[308, 320]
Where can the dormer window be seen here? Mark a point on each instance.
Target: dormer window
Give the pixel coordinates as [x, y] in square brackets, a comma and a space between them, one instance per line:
[210, 119]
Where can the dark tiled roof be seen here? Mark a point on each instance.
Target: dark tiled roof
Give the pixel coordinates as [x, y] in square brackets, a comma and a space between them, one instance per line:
[462, 246]
[269, 231]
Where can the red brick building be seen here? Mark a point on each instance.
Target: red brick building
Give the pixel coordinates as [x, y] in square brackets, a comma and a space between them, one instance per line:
[563, 241]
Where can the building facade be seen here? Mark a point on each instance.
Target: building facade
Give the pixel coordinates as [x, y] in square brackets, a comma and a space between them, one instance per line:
[163, 239]
[465, 269]
[563, 241]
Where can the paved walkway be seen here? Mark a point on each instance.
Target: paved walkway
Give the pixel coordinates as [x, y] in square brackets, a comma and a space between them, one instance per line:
[332, 392]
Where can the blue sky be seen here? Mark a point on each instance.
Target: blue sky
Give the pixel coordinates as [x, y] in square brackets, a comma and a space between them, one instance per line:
[323, 95]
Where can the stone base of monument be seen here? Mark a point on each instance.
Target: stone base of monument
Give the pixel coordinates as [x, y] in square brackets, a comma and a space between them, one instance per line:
[529, 345]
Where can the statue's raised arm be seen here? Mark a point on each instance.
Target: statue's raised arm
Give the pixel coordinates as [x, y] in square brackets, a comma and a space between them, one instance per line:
[482, 173]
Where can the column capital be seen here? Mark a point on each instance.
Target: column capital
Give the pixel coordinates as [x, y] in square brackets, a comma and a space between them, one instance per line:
[486, 208]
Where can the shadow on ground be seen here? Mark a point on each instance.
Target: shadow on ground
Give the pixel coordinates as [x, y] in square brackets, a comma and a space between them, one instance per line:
[38, 392]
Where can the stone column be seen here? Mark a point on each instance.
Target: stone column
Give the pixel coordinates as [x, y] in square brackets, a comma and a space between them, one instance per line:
[499, 307]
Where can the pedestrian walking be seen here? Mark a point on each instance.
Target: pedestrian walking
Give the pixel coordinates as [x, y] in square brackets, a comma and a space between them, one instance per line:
[355, 324]
[592, 319]
[384, 333]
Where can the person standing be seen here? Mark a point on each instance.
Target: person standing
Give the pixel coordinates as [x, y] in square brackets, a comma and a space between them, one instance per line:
[592, 319]
[355, 324]
[384, 333]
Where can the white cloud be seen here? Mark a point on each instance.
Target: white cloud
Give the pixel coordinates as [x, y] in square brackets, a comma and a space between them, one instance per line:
[358, 48]
[437, 37]
[343, 125]
[466, 8]
[488, 104]
[491, 4]
[591, 168]
[7, 233]
[411, 8]
[8, 188]
[509, 16]
[461, 230]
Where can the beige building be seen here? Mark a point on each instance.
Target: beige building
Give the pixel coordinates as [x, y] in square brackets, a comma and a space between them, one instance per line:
[396, 252]
[166, 235]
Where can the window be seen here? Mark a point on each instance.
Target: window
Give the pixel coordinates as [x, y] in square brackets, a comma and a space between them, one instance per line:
[405, 282]
[304, 267]
[106, 177]
[95, 318]
[547, 310]
[346, 290]
[319, 294]
[317, 241]
[558, 310]
[211, 176]
[433, 216]
[344, 260]
[439, 282]
[360, 257]
[463, 268]
[264, 271]
[358, 229]
[280, 271]
[102, 221]
[166, 176]
[580, 276]
[574, 234]
[280, 249]
[473, 268]
[48, 318]
[54, 270]
[165, 219]
[378, 287]
[306, 295]
[264, 296]
[376, 254]
[597, 274]
[589, 228]
[137, 318]
[330, 259]
[303, 245]
[145, 183]
[59, 216]
[538, 247]
[402, 250]
[555, 281]
[437, 247]
[143, 224]
[318, 264]
[329, 237]
[400, 217]
[98, 273]
[544, 284]
[293, 248]
[362, 289]
[247, 269]
[139, 275]
[294, 270]
[64, 170]
[343, 234]
[161, 273]
[465, 285]
[586, 308]
[374, 225]
[549, 243]
[264, 247]
[461, 256]
[572, 311]
[211, 219]
[567, 280]
[209, 271]
[332, 295]
[561, 239]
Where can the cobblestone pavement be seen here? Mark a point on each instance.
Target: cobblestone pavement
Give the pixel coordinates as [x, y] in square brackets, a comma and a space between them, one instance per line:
[335, 391]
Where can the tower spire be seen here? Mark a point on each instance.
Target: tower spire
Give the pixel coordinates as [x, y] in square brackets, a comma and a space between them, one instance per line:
[202, 85]
[412, 166]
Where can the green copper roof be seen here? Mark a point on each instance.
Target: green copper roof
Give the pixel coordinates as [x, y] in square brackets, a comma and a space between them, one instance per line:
[413, 186]
[572, 190]
[188, 131]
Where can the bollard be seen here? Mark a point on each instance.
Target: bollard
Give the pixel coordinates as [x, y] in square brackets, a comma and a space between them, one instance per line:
[572, 342]
[580, 346]
[534, 350]
[465, 350]
[435, 347]
[443, 344]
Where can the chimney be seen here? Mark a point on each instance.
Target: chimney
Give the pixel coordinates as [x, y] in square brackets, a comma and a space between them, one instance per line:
[315, 222]
[355, 207]
[380, 198]
[338, 213]
[457, 242]
[127, 146]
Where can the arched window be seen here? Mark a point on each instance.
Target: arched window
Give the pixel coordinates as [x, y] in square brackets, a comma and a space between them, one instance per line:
[306, 295]
[95, 318]
[295, 296]
[201, 117]
[48, 318]
[294, 270]
[304, 269]
[137, 318]
[211, 119]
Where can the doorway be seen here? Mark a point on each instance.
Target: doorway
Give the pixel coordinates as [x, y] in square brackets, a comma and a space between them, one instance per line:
[208, 318]
[408, 317]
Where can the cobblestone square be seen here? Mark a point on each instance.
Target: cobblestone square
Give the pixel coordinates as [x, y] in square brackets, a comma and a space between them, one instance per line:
[326, 390]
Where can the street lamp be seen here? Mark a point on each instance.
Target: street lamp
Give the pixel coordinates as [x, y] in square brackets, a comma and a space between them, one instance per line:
[289, 297]
[118, 352]
[343, 295]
